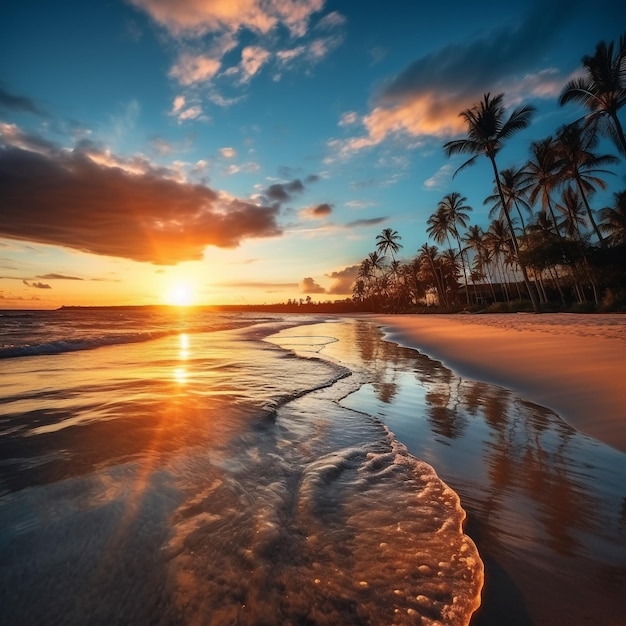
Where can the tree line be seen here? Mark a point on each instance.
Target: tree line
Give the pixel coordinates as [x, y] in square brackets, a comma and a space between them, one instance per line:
[547, 247]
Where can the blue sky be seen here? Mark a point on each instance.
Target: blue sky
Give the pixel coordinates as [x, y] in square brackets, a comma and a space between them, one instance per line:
[251, 151]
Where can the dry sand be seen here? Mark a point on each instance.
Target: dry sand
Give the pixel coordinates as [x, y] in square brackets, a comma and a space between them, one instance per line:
[573, 364]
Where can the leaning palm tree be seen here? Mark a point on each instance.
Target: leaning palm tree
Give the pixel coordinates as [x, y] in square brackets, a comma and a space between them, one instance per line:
[614, 219]
[487, 129]
[602, 90]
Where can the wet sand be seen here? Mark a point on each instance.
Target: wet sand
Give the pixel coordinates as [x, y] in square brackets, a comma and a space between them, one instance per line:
[573, 364]
[545, 502]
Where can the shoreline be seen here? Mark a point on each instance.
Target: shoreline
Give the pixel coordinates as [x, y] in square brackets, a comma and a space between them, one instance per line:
[571, 364]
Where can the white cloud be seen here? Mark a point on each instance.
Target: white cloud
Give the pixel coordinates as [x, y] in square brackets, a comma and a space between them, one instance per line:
[348, 119]
[253, 58]
[439, 178]
[192, 113]
[179, 103]
[228, 152]
[191, 69]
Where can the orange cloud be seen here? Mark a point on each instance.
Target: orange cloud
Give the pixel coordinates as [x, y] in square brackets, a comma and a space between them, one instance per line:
[198, 17]
[316, 212]
[425, 99]
[190, 69]
[67, 199]
[308, 285]
[343, 280]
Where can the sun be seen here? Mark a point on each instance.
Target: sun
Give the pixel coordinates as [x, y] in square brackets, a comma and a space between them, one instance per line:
[180, 294]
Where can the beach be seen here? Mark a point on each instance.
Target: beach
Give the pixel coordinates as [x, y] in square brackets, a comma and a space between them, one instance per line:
[545, 501]
[574, 364]
[176, 467]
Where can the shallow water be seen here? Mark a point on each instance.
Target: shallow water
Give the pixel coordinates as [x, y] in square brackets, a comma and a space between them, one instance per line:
[546, 505]
[168, 471]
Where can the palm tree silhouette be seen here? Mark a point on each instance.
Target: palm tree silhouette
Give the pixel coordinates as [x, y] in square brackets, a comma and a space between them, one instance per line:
[487, 129]
[602, 90]
[387, 241]
[614, 219]
[542, 175]
[579, 163]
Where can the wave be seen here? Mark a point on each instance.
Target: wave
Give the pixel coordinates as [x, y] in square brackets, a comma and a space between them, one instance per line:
[61, 346]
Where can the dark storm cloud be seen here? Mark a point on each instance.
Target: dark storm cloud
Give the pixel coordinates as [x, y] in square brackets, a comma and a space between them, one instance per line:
[64, 198]
[15, 103]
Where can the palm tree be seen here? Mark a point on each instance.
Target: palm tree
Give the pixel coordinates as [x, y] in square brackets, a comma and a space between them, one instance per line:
[388, 242]
[571, 207]
[438, 226]
[474, 239]
[376, 261]
[457, 214]
[430, 255]
[602, 90]
[573, 222]
[487, 130]
[614, 219]
[542, 175]
[515, 185]
[580, 164]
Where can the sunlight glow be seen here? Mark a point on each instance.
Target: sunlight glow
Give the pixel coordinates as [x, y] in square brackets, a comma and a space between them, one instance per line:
[180, 294]
[180, 375]
[184, 346]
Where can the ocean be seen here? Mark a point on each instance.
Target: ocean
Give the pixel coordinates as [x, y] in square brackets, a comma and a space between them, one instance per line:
[181, 466]
[175, 466]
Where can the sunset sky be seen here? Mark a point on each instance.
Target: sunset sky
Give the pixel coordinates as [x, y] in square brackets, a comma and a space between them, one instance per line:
[249, 151]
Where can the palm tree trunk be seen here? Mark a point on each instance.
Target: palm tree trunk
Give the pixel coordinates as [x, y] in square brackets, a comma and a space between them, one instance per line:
[620, 130]
[590, 213]
[529, 288]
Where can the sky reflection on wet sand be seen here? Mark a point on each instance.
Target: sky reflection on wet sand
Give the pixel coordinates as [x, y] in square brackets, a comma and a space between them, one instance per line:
[546, 505]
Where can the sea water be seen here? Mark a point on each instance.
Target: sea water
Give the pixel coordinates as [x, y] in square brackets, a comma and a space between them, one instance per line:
[189, 467]
[546, 504]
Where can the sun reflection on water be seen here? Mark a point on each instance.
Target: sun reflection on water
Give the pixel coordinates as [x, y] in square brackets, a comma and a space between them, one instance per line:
[183, 339]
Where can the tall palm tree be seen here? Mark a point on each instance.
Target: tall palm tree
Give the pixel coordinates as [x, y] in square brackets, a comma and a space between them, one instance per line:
[602, 90]
[614, 219]
[430, 256]
[573, 222]
[487, 129]
[457, 214]
[542, 175]
[387, 241]
[438, 226]
[580, 164]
